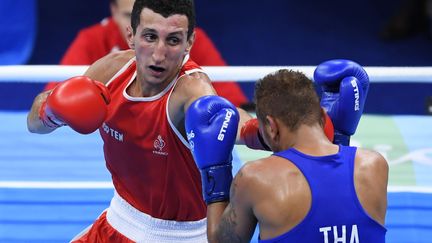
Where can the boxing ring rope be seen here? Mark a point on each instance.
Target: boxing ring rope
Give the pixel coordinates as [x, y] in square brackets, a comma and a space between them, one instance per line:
[44, 73]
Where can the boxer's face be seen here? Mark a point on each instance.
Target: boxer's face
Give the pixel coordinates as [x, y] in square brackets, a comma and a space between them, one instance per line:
[160, 45]
[121, 12]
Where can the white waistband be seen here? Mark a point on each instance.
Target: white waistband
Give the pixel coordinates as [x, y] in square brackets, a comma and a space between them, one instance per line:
[141, 227]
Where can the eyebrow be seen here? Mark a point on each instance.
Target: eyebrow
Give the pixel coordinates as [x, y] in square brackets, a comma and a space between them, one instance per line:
[154, 31]
[176, 33]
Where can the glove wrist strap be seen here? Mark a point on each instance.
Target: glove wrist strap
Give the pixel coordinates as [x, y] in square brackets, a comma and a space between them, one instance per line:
[48, 121]
[342, 139]
[263, 143]
[216, 183]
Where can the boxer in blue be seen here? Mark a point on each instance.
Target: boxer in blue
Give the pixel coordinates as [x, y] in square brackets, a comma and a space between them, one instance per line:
[310, 189]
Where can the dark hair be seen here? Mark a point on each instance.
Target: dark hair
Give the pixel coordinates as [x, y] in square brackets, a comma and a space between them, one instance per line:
[165, 8]
[287, 95]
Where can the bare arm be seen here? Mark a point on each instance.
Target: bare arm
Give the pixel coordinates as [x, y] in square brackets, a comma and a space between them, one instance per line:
[105, 68]
[102, 71]
[226, 222]
[233, 221]
[371, 180]
[244, 117]
[193, 89]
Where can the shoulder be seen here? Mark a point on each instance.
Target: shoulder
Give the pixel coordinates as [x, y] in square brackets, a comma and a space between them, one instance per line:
[262, 171]
[371, 168]
[249, 179]
[105, 68]
[192, 86]
[371, 181]
[370, 160]
[267, 176]
[255, 169]
[194, 82]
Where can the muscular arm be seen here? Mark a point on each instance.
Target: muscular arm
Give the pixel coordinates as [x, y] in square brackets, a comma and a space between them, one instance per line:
[371, 180]
[197, 85]
[102, 71]
[105, 68]
[226, 222]
[193, 87]
[244, 117]
[233, 221]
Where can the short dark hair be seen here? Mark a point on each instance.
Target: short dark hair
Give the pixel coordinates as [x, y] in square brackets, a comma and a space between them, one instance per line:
[165, 8]
[290, 96]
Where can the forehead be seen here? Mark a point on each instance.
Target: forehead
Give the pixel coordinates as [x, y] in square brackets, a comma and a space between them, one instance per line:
[152, 20]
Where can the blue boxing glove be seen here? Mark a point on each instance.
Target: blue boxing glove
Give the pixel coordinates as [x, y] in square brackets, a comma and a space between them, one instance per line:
[211, 127]
[345, 86]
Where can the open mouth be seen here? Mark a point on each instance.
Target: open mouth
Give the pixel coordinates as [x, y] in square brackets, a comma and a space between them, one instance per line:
[157, 69]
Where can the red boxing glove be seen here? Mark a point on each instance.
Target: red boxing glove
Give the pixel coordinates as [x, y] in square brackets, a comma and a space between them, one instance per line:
[251, 136]
[253, 139]
[328, 127]
[79, 102]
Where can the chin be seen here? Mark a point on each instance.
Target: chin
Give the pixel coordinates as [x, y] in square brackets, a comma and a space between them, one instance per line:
[155, 79]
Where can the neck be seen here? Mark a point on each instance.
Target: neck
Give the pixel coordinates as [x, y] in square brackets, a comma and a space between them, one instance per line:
[141, 88]
[309, 140]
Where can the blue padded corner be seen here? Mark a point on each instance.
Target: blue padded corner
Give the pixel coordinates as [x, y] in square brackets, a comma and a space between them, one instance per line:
[17, 30]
